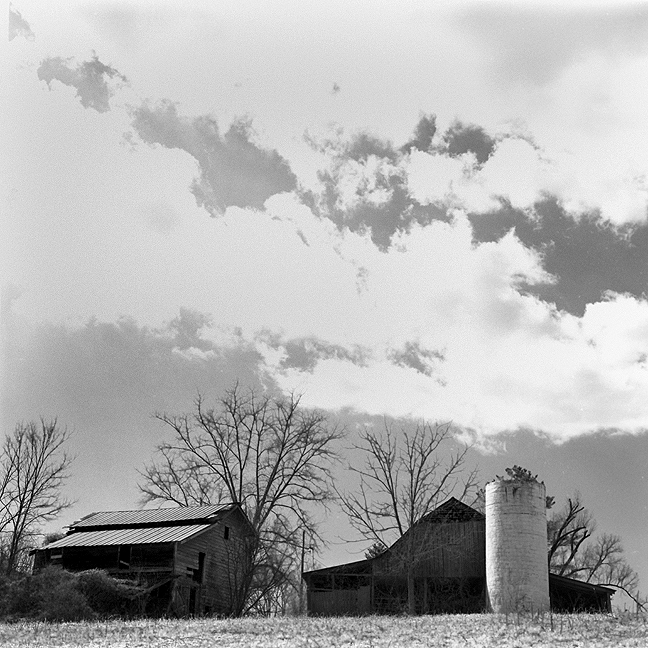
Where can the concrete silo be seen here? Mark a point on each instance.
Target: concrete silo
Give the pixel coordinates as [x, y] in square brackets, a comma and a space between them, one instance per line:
[517, 574]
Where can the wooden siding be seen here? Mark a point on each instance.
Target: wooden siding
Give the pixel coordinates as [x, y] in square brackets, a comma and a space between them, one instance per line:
[446, 550]
[222, 567]
[351, 602]
[449, 564]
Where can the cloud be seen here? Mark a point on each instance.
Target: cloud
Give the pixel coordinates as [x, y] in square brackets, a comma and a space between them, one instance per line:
[233, 170]
[89, 79]
[370, 185]
[364, 188]
[450, 329]
[463, 138]
[187, 327]
[303, 353]
[119, 369]
[105, 380]
[423, 135]
[591, 231]
[587, 256]
[535, 44]
[18, 26]
[413, 356]
[510, 170]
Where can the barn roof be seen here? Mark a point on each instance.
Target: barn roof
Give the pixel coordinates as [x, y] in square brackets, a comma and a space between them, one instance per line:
[452, 510]
[357, 567]
[179, 515]
[129, 536]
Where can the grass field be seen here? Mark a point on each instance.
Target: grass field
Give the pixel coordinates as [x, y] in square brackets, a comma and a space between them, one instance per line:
[479, 630]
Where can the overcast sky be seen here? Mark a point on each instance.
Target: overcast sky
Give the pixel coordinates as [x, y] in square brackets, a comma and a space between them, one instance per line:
[394, 208]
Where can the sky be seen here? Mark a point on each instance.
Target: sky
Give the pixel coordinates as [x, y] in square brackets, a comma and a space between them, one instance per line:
[396, 209]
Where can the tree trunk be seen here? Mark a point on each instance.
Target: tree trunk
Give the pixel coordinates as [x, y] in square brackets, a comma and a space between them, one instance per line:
[411, 591]
[411, 588]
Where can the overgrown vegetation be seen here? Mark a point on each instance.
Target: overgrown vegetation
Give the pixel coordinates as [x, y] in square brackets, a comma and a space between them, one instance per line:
[449, 631]
[54, 594]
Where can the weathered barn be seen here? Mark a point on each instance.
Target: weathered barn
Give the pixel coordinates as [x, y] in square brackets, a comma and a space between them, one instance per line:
[188, 559]
[446, 553]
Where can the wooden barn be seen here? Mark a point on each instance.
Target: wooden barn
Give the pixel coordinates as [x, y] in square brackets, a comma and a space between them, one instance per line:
[187, 559]
[446, 552]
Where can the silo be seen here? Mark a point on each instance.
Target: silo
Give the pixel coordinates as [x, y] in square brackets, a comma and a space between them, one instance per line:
[517, 574]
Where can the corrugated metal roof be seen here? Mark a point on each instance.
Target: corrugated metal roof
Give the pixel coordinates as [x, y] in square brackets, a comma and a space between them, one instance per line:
[151, 516]
[150, 535]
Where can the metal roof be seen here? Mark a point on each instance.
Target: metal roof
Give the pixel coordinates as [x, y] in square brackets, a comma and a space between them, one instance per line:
[149, 535]
[151, 516]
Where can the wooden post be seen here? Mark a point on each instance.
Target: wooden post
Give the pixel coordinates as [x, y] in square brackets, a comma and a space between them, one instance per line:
[301, 580]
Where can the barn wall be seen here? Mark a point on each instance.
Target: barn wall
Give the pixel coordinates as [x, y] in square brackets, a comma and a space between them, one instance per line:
[342, 602]
[440, 550]
[221, 574]
[449, 574]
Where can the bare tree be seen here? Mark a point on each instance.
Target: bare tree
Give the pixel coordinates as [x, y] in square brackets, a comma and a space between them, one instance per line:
[575, 553]
[33, 468]
[270, 455]
[567, 530]
[406, 474]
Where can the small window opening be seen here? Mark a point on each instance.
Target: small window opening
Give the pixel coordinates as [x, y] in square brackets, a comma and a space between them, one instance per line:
[56, 556]
[226, 533]
[199, 573]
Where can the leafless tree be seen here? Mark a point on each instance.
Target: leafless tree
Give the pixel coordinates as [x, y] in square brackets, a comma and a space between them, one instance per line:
[269, 454]
[567, 530]
[575, 553]
[407, 472]
[33, 468]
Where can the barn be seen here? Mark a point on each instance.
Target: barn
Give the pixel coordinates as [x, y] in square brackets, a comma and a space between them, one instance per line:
[446, 553]
[188, 560]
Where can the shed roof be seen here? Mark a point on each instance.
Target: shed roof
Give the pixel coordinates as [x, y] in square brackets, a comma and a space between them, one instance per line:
[146, 535]
[572, 583]
[151, 517]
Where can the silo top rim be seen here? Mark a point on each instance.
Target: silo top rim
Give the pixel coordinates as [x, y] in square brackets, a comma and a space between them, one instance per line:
[517, 482]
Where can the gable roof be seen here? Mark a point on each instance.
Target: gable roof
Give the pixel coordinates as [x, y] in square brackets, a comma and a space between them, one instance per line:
[146, 535]
[178, 515]
[452, 510]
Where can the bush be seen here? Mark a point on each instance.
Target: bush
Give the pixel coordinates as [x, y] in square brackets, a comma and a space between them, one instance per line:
[54, 594]
[107, 596]
[49, 595]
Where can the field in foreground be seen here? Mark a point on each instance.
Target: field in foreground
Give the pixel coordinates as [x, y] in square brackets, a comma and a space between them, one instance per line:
[478, 630]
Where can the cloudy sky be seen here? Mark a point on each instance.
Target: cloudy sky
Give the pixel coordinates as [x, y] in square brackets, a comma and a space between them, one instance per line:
[394, 208]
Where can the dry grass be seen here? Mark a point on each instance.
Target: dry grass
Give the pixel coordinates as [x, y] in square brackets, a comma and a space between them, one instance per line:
[478, 630]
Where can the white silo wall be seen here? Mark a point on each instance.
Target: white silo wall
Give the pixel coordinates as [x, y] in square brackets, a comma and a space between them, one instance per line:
[517, 575]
